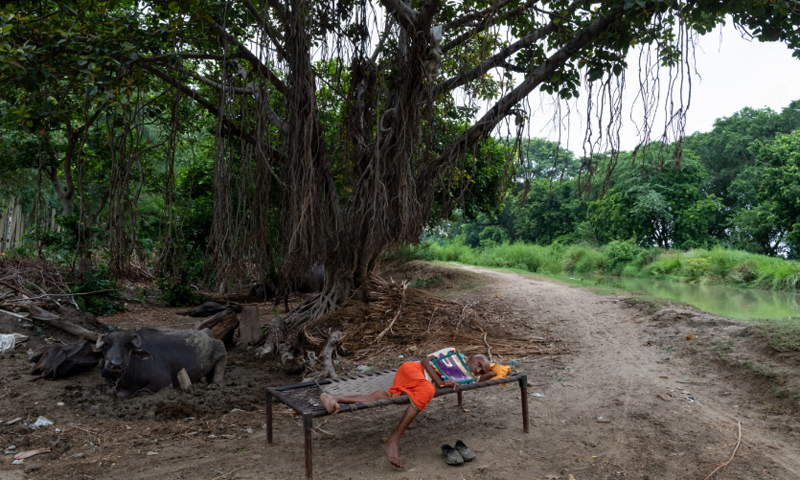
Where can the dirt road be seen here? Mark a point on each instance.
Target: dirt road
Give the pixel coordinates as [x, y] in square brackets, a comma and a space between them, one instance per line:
[601, 416]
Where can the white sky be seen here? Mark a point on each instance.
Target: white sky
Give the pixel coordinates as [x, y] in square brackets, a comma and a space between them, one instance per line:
[735, 73]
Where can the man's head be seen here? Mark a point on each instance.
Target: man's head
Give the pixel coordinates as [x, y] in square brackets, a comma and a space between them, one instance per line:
[478, 364]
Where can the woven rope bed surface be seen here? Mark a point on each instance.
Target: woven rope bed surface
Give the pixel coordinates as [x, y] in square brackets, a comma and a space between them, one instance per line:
[360, 385]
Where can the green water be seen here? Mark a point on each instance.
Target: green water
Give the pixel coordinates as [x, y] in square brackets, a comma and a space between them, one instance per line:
[727, 301]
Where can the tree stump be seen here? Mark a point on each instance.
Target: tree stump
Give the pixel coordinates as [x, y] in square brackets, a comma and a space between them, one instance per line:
[250, 332]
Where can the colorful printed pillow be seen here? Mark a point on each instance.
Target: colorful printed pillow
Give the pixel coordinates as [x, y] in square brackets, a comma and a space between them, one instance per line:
[453, 367]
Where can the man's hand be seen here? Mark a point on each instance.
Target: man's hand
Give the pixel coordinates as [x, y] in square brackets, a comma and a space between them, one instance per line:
[449, 383]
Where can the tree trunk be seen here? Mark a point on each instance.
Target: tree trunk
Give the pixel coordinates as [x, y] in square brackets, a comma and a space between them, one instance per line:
[250, 326]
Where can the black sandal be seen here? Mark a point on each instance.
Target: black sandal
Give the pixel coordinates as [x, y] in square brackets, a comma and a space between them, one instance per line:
[451, 455]
[464, 451]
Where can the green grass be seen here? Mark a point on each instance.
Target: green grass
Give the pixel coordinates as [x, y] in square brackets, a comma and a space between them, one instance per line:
[714, 266]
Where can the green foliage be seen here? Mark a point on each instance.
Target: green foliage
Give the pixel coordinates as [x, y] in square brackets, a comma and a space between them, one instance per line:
[105, 303]
[178, 295]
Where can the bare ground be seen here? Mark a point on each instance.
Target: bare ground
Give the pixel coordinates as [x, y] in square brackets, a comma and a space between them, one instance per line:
[620, 352]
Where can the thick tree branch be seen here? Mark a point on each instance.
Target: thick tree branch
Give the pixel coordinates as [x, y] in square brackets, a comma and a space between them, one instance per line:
[404, 14]
[500, 57]
[488, 18]
[426, 13]
[271, 33]
[262, 69]
[169, 56]
[194, 95]
[461, 21]
[486, 124]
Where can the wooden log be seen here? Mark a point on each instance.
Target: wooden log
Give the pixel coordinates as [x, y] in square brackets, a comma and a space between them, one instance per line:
[185, 381]
[223, 330]
[327, 353]
[274, 338]
[250, 332]
[288, 361]
[54, 321]
[68, 327]
[215, 319]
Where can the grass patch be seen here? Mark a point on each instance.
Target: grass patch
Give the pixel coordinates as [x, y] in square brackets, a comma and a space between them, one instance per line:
[782, 335]
[716, 265]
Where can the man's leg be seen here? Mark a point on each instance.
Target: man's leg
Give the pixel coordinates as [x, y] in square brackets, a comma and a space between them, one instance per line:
[392, 446]
[332, 402]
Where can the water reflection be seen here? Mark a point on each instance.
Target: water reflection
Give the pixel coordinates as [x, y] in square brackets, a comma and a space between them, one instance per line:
[733, 302]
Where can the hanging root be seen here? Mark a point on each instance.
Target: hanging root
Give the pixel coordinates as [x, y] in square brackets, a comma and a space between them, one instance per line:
[326, 356]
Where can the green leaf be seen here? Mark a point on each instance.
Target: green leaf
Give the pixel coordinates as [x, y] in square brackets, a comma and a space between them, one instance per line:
[6, 29]
[173, 5]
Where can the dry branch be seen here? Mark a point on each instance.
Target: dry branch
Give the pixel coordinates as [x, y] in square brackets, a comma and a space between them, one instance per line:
[399, 312]
[738, 442]
[274, 337]
[327, 355]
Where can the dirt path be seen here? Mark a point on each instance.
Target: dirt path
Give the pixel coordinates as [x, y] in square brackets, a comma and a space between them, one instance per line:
[619, 354]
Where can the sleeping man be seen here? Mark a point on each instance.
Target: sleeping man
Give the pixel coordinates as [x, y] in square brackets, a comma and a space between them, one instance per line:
[419, 381]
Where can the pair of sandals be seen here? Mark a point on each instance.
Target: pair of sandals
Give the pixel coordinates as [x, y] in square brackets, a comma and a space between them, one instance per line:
[457, 455]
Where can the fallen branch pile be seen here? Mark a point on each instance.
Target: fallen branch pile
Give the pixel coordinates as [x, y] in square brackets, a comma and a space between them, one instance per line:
[396, 317]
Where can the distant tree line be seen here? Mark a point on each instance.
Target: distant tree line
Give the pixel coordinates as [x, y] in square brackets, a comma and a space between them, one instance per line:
[737, 186]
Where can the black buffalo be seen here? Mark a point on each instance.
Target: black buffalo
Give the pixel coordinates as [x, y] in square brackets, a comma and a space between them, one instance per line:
[150, 359]
[61, 361]
[312, 282]
[211, 308]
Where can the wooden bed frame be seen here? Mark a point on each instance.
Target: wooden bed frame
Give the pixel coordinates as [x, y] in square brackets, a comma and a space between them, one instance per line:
[304, 399]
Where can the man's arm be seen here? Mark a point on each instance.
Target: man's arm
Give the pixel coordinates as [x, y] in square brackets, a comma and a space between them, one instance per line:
[486, 376]
[427, 364]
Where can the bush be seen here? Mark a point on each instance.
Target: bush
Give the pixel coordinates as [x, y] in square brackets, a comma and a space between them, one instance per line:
[179, 295]
[617, 253]
[106, 303]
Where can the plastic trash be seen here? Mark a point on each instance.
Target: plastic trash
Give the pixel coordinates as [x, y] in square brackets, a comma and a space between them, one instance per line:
[30, 453]
[10, 340]
[40, 423]
[538, 395]
[363, 368]
[10, 450]
[12, 422]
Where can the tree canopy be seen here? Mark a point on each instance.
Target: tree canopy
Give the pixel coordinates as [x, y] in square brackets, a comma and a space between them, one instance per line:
[340, 128]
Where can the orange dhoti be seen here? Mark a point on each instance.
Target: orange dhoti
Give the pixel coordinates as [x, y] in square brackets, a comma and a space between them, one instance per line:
[410, 380]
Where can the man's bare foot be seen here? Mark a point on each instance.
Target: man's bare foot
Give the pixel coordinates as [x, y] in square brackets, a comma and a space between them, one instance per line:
[331, 405]
[392, 450]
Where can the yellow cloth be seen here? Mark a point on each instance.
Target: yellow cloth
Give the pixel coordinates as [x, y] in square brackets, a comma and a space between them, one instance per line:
[500, 371]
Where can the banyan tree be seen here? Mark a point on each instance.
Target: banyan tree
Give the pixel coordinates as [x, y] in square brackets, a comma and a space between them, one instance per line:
[344, 127]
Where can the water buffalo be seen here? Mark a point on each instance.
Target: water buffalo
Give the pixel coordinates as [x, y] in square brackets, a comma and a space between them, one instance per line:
[312, 282]
[149, 359]
[61, 361]
[210, 308]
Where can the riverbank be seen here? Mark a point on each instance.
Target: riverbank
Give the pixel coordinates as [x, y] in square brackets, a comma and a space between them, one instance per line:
[699, 266]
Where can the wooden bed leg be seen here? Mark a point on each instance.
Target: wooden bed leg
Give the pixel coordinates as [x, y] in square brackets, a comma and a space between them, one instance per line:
[523, 389]
[308, 424]
[269, 417]
[460, 399]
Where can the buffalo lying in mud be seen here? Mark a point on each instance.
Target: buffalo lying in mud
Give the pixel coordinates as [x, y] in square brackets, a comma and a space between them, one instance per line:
[210, 308]
[61, 361]
[312, 282]
[149, 359]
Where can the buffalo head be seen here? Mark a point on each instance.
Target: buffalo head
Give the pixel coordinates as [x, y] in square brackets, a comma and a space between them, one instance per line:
[118, 348]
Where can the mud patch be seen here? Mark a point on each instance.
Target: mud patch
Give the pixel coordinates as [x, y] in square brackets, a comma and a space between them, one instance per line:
[175, 410]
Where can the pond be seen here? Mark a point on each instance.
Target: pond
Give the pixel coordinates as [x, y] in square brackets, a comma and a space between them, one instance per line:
[724, 300]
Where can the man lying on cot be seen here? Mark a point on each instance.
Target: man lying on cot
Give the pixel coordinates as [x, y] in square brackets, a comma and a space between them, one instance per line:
[419, 380]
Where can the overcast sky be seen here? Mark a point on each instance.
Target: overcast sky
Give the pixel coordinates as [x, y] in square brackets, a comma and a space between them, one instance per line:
[735, 73]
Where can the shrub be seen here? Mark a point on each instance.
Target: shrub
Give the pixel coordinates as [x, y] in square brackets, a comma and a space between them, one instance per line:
[618, 253]
[105, 303]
